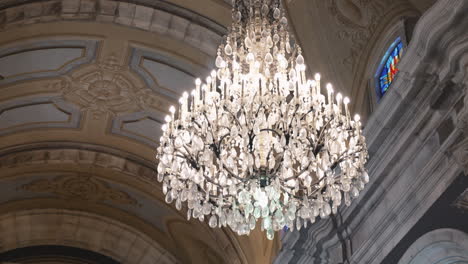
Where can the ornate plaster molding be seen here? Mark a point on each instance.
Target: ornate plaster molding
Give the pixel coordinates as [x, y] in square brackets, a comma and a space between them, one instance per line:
[79, 154]
[108, 88]
[159, 16]
[359, 21]
[80, 187]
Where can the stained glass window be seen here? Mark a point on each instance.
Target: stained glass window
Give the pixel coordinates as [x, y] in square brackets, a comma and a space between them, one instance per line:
[389, 66]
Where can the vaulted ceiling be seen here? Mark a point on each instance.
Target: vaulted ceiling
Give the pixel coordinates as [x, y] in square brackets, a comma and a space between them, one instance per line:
[84, 87]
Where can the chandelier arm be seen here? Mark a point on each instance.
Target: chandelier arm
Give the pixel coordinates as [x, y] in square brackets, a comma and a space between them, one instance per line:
[304, 115]
[294, 115]
[232, 174]
[234, 117]
[211, 130]
[320, 136]
[271, 130]
[278, 164]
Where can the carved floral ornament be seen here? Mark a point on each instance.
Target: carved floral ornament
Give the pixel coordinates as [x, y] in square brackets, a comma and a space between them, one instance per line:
[80, 187]
[358, 22]
[108, 88]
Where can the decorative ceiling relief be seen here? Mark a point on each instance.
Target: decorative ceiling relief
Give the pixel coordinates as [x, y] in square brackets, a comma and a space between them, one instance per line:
[102, 91]
[78, 156]
[358, 21]
[81, 187]
[108, 88]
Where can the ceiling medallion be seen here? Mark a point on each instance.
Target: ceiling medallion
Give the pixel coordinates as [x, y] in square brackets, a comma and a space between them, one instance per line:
[257, 140]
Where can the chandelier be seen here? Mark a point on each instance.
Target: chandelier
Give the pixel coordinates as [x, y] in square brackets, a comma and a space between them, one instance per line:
[257, 141]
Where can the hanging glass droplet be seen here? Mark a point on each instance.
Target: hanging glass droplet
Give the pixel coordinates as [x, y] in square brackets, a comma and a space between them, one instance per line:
[228, 49]
[237, 16]
[213, 221]
[265, 10]
[248, 42]
[284, 21]
[300, 60]
[270, 234]
[268, 58]
[269, 42]
[276, 13]
[219, 61]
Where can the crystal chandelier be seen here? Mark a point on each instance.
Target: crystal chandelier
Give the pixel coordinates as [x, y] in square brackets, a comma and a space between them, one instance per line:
[257, 140]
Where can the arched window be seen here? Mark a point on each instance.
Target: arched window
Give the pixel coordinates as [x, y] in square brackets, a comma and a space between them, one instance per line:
[388, 67]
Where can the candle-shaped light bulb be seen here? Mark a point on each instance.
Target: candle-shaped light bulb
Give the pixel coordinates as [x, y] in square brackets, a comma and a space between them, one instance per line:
[346, 102]
[208, 80]
[164, 127]
[197, 82]
[357, 124]
[312, 85]
[317, 76]
[194, 98]
[167, 119]
[317, 79]
[172, 109]
[257, 64]
[339, 98]
[213, 74]
[357, 118]
[204, 90]
[181, 108]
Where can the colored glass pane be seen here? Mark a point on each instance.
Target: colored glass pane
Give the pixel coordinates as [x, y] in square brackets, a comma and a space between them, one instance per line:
[389, 69]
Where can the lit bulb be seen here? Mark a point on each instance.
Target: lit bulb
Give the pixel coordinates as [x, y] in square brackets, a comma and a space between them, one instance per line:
[357, 118]
[317, 76]
[235, 65]
[329, 88]
[164, 127]
[198, 81]
[213, 74]
[346, 100]
[208, 79]
[339, 97]
[181, 100]
[185, 95]
[168, 119]
[172, 109]
[250, 57]
[205, 87]
[257, 64]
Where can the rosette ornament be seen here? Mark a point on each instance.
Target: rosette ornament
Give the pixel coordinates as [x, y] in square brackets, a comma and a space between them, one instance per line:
[257, 141]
